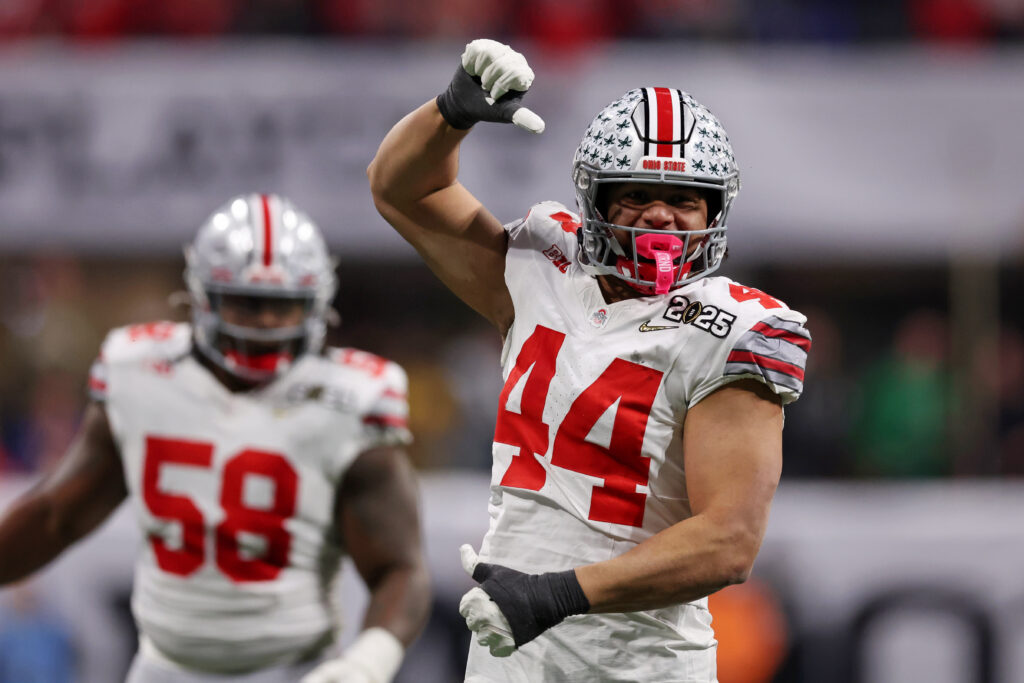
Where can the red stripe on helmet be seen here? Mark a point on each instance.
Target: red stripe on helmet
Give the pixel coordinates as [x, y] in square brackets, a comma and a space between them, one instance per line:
[666, 121]
[268, 233]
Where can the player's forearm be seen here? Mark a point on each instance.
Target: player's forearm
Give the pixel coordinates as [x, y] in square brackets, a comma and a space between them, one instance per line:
[31, 535]
[400, 602]
[419, 156]
[687, 561]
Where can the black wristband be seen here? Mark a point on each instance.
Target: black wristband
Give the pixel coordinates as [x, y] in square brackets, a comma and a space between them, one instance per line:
[465, 102]
[532, 603]
[448, 101]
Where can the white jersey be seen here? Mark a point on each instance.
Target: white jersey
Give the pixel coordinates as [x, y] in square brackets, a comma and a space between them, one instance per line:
[235, 492]
[588, 457]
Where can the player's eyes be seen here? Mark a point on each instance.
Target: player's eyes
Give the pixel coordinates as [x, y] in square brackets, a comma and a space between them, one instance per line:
[684, 200]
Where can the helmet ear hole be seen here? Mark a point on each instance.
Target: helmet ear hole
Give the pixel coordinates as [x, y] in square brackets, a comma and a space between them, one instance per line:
[714, 202]
[601, 201]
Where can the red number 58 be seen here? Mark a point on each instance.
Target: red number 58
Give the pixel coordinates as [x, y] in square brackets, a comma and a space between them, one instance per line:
[238, 517]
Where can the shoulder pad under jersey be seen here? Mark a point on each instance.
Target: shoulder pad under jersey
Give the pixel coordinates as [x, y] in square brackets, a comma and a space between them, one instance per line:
[548, 221]
[386, 411]
[767, 341]
[153, 342]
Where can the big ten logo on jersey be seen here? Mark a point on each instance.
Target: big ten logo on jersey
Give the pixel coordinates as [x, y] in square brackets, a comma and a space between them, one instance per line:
[337, 398]
[711, 319]
[556, 257]
[258, 493]
[620, 464]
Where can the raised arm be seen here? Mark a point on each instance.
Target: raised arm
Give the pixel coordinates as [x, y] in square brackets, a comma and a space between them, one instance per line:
[377, 513]
[732, 470]
[86, 486]
[414, 177]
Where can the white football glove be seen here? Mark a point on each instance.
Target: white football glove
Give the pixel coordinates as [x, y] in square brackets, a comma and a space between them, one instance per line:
[374, 657]
[489, 86]
[483, 616]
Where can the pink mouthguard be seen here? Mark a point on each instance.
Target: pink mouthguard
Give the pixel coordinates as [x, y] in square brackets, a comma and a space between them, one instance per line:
[663, 249]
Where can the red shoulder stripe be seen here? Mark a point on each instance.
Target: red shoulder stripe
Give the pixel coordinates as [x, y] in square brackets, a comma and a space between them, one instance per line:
[767, 363]
[793, 338]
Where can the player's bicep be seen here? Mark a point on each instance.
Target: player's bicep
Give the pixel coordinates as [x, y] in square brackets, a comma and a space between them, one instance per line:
[463, 244]
[377, 511]
[732, 441]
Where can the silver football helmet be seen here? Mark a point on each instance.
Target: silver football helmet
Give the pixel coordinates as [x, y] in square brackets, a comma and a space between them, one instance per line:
[260, 247]
[654, 135]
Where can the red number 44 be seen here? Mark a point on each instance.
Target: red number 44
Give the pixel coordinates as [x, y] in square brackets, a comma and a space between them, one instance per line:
[621, 466]
[741, 294]
[238, 517]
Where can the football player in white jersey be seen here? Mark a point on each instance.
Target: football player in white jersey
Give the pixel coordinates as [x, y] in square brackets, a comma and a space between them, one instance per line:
[255, 460]
[638, 439]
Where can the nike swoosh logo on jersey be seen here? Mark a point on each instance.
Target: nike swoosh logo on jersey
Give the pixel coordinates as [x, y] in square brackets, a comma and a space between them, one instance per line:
[644, 327]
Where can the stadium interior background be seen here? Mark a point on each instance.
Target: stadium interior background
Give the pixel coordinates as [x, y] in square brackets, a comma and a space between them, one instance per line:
[882, 161]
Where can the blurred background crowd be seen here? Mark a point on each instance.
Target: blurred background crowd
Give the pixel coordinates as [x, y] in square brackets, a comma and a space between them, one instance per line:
[558, 22]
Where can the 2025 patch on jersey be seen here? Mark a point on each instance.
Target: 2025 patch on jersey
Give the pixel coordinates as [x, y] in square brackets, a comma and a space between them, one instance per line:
[234, 492]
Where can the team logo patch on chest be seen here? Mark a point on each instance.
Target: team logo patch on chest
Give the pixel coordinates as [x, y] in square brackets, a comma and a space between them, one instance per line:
[599, 318]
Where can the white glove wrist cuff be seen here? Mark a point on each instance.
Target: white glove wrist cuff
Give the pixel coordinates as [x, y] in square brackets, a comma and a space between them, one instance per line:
[377, 651]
